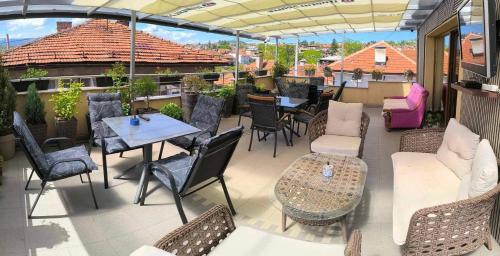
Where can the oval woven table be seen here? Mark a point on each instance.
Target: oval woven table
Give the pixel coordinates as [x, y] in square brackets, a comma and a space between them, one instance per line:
[310, 198]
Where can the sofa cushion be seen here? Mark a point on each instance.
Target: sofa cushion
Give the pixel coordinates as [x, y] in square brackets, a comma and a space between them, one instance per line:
[420, 181]
[148, 250]
[343, 145]
[395, 104]
[249, 241]
[484, 175]
[344, 118]
[415, 96]
[458, 148]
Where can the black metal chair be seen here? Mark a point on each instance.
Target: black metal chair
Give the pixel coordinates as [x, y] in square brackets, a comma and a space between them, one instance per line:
[185, 174]
[265, 119]
[242, 92]
[305, 116]
[55, 165]
[206, 116]
[103, 105]
[338, 94]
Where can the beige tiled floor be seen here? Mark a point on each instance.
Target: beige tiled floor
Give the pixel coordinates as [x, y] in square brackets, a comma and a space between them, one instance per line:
[67, 224]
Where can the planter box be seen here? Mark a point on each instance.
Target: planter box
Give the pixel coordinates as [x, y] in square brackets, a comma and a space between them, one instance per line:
[261, 72]
[241, 74]
[66, 128]
[106, 81]
[211, 76]
[140, 111]
[39, 132]
[171, 79]
[22, 85]
[228, 106]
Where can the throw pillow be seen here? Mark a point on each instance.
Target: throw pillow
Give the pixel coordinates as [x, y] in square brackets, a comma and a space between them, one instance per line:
[458, 148]
[484, 170]
[344, 119]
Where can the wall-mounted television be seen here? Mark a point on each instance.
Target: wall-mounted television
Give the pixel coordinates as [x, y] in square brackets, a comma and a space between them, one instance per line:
[478, 36]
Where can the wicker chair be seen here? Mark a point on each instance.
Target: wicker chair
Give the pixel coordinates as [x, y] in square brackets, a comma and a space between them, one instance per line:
[317, 128]
[201, 235]
[305, 117]
[449, 229]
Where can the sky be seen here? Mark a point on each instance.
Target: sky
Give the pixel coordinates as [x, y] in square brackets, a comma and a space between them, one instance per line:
[38, 27]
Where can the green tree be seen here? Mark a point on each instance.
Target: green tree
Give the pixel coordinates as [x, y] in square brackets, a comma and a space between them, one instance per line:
[286, 53]
[311, 56]
[352, 46]
[224, 45]
[334, 46]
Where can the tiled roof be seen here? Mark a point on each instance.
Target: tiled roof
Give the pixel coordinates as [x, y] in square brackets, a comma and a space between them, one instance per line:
[100, 41]
[467, 55]
[397, 62]
[266, 64]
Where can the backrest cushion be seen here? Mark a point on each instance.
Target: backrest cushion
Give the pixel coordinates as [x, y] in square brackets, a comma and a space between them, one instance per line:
[344, 119]
[415, 95]
[458, 148]
[102, 105]
[30, 143]
[484, 175]
[207, 113]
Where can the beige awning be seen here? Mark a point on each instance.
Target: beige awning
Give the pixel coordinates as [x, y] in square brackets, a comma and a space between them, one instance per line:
[260, 18]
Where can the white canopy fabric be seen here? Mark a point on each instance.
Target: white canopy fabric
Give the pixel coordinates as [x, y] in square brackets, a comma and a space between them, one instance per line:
[253, 18]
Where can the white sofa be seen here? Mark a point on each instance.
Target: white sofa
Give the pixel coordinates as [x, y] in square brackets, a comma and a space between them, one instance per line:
[460, 168]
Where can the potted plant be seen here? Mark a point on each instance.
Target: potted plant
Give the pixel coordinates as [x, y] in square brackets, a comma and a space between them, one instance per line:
[327, 72]
[32, 75]
[209, 75]
[35, 115]
[169, 77]
[261, 72]
[172, 110]
[65, 102]
[145, 87]
[227, 93]
[192, 85]
[377, 74]
[409, 75]
[357, 74]
[115, 76]
[250, 78]
[260, 88]
[7, 108]
[310, 70]
[279, 70]
[433, 119]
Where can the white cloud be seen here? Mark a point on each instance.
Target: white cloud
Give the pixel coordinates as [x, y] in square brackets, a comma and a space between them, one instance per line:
[32, 24]
[183, 37]
[78, 21]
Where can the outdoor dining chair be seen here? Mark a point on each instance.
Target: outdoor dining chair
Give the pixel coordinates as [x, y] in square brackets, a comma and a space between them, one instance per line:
[305, 116]
[185, 174]
[103, 105]
[206, 116]
[265, 119]
[55, 165]
[242, 92]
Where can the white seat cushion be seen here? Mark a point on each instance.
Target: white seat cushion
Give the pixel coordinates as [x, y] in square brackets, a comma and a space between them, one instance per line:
[246, 241]
[148, 250]
[334, 144]
[395, 104]
[344, 119]
[484, 175]
[458, 148]
[420, 181]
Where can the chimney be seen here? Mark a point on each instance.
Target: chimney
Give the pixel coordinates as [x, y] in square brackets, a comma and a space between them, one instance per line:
[123, 22]
[63, 25]
[380, 55]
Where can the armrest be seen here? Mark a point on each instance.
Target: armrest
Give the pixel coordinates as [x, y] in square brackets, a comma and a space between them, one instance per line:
[317, 126]
[421, 140]
[167, 172]
[201, 232]
[353, 247]
[305, 112]
[68, 161]
[56, 140]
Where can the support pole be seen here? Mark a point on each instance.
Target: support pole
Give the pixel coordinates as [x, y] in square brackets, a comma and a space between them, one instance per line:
[342, 60]
[276, 52]
[132, 45]
[237, 61]
[296, 68]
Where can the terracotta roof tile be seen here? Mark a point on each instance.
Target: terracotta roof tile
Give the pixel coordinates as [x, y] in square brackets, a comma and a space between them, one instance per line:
[104, 41]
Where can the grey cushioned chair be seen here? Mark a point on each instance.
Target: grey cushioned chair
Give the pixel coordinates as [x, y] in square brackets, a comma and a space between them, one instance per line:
[185, 174]
[206, 116]
[103, 105]
[55, 165]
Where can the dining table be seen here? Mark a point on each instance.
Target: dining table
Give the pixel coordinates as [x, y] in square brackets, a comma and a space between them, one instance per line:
[283, 102]
[152, 128]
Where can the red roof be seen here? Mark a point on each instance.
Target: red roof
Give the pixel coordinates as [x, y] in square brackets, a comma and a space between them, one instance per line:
[397, 62]
[104, 41]
[467, 55]
[266, 64]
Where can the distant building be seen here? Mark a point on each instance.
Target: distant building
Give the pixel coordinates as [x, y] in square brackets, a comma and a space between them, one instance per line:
[91, 49]
[382, 56]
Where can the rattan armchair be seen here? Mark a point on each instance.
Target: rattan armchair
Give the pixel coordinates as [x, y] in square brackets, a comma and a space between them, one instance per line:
[448, 229]
[201, 235]
[317, 128]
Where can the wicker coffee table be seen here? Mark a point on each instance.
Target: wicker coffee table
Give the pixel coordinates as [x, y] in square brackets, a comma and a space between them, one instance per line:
[310, 198]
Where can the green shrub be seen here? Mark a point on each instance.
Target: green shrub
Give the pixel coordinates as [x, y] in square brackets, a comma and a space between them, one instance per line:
[117, 73]
[34, 109]
[260, 87]
[65, 100]
[145, 87]
[34, 73]
[171, 110]
[226, 92]
[7, 102]
[279, 70]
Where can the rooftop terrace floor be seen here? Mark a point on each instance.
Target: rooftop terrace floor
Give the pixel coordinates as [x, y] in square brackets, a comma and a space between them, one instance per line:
[66, 223]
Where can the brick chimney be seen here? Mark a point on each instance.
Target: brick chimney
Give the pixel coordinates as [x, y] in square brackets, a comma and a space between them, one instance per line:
[63, 25]
[123, 22]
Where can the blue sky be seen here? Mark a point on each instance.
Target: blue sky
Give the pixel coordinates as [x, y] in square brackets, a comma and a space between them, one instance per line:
[33, 28]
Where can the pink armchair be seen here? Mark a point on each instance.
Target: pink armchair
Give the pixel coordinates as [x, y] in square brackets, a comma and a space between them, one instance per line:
[406, 112]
